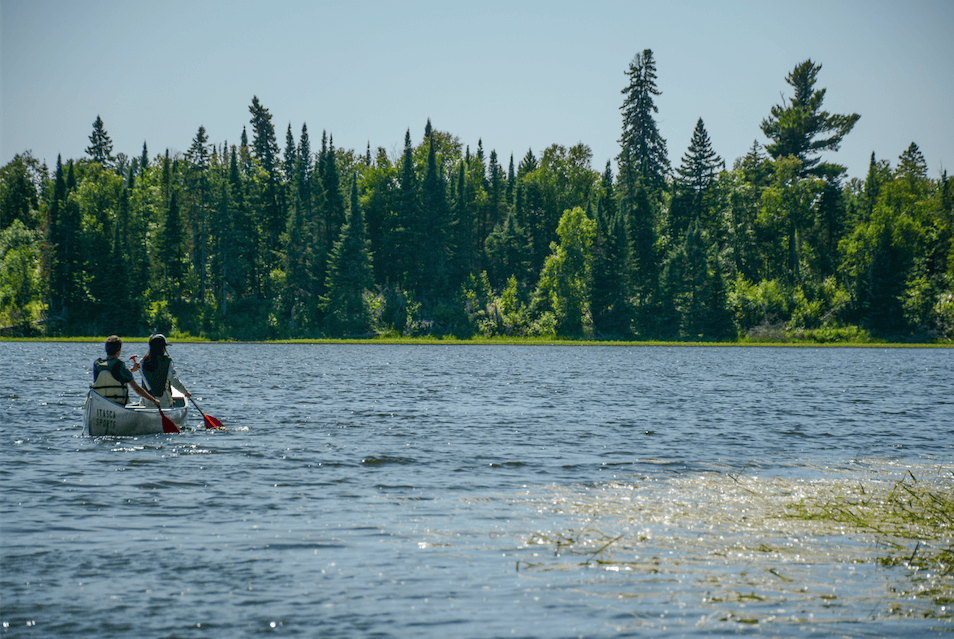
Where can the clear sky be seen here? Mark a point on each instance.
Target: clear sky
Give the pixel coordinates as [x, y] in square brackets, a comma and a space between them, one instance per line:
[517, 74]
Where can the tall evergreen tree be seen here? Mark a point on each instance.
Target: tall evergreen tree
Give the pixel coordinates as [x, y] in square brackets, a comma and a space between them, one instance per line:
[644, 261]
[57, 238]
[435, 227]
[124, 288]
[465, 259]
[305, 164]
[350, 275]
[693, 192]
[264, 144]
[100, 147]
[173, 251]
[507, 253]
[643, 157]
[272, 210]
[408, 231]
[198, 181]
[334, 209]
[609, 287]
[291, 157]
[796, 126]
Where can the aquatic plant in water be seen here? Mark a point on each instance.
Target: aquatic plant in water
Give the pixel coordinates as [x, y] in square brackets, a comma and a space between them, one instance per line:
[731, 547]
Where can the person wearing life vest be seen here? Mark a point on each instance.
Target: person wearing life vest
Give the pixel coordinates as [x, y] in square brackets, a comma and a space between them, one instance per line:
[112, 379]
[158, 374]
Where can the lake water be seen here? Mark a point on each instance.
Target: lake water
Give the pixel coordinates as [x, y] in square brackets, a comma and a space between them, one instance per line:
[473, 491]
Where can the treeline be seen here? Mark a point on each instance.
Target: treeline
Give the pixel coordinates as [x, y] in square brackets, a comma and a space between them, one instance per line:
[250, 241]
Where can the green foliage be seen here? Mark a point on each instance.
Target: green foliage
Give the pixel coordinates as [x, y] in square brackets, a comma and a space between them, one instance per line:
[243, 243]
[564, 282]
[19, 198]
[795, 125]
[693, 194]
[643, 157]
[100, 147]
[20, 278]
[766, 303]
[350, 276]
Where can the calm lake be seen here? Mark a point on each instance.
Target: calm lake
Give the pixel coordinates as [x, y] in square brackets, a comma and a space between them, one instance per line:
[473, 491]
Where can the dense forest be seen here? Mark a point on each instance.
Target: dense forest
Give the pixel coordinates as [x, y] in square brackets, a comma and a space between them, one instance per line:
[249, 241]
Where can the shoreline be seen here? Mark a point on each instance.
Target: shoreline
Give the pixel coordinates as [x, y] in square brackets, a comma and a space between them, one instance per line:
[433, 341]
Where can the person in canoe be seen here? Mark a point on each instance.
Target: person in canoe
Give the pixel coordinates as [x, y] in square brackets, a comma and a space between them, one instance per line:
[112, 379]
[158, 374]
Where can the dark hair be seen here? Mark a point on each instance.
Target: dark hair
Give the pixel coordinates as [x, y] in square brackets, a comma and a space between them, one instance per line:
[156, 349]
[114, 344]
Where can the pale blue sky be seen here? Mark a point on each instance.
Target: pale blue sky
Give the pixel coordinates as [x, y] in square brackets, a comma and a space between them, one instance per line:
[518, 74]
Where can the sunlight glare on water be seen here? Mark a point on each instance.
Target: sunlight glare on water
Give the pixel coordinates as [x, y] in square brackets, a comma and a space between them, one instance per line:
[434, 491]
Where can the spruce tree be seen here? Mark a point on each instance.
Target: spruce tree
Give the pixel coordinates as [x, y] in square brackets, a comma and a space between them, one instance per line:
[407, 231]
[334, 207]
[58, 234]
[100, 147]
[273, 209]
[198, 180]
[350, 275]
[609, 288]
[643, 157]
[693, 188]
[304, 165]
[644, 261]
[172, 251]
[435, 227]
[291, 158]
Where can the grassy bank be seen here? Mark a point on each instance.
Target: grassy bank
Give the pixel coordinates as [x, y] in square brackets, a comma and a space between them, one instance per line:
[794, 341]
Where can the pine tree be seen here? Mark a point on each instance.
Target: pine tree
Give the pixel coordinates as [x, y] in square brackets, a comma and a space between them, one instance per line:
[913, 168]
[350, 275]
[644, 168]
[272, 204]
[643, 157]
[506, 249]
[435, 227]
[172, 250]
[291, 158]
[334, 209]
[123, 287]
[58, 240]
[464, 254]
[198, 180]
[100, 147]
[795, 126]
[609, 288]
[644, 261]
[304, 165]
[407, 231]
[264, 143]
[693, 196]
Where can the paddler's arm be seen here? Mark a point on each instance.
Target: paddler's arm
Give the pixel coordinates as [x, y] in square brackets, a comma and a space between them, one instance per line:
[142, 392]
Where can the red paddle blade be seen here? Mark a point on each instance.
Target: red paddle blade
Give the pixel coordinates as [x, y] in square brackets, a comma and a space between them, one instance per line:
[168, 426]
[211, 423]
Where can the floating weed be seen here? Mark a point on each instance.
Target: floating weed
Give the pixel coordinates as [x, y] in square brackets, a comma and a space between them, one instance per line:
[824, 544]
[911, 510]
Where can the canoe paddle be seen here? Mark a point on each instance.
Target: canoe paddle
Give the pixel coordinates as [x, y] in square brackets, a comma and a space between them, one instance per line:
[168, 426]
[211, 423]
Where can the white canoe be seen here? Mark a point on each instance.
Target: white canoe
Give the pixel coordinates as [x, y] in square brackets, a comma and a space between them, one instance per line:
[103, 417]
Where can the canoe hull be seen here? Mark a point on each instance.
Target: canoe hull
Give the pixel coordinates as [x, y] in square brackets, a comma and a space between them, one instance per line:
[102, 417]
